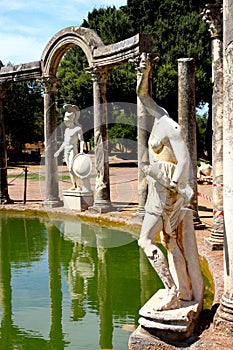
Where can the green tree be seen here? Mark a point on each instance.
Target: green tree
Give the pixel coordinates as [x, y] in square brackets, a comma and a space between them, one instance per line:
[111, 24]
[177, 31]
[75, 84]
[76, 87]
[23, 110]
[122, 134]
[201, 134]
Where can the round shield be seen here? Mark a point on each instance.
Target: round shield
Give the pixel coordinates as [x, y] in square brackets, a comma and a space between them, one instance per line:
[82, 165]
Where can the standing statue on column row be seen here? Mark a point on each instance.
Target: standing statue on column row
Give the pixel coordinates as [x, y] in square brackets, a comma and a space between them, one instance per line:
[169, 192]
[73, 144]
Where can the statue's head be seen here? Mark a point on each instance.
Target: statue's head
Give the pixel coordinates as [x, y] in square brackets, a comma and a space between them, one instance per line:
[71, 115]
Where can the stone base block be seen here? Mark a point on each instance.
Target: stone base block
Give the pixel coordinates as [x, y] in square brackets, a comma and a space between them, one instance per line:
[101, 206]
[198, 225]
[213, 244]
[140, 213]
[77, 200]
[173, 325]
[140, 339]
[52, 203]
[223, 319]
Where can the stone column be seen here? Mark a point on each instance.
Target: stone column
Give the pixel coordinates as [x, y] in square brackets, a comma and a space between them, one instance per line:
[187, 121]
[224, 318]
[212, 15]
[143, 157]
[4, 196]
[102, 201]
[50, 124]
[144, 127]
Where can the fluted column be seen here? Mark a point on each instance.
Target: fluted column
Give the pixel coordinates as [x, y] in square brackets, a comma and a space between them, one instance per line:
[187, 121]
[224, 318]
[212, 15]
[50, 125]
[4, 196]
[102, 201]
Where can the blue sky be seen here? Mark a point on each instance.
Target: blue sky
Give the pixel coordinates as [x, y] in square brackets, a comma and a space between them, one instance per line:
[27, 26]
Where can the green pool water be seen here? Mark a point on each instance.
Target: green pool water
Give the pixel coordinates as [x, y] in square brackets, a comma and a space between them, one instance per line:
[70, 285]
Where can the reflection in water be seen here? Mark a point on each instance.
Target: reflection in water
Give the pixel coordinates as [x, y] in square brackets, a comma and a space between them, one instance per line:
[69, 285]
[11, 335]
[55, 285]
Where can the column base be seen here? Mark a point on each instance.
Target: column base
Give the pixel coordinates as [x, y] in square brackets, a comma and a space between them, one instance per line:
[198, 225]
[4, 197]
[140, 213]
[52, 203]
[216, 240]
[223, 320]
[5, 200]
[101, 206]
[213, 244]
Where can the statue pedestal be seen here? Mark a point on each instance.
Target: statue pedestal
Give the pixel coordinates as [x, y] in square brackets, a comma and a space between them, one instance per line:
[173, 325]
[77, 200]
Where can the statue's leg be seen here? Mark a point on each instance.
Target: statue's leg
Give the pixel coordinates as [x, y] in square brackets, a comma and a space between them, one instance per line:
[69, 158]
[74, 185]
[178, 267]
[151, 227]
[78, 183]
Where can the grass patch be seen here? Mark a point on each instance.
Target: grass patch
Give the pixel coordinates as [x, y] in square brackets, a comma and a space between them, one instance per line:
[38, 177]
[33, 177]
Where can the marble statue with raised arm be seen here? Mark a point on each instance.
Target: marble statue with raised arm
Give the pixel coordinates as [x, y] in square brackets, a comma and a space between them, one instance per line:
[169, 193]
[73, 142]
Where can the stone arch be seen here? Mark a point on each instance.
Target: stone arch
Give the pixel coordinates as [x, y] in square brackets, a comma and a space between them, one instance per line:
[65, 39]
[88, 41]
[101, 59]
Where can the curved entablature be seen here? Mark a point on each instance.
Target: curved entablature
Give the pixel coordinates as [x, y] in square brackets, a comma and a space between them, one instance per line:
[121, 52]
[87, 39]
[98, 54]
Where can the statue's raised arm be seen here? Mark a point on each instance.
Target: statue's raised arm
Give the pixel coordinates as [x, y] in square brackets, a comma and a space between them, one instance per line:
[152, 107]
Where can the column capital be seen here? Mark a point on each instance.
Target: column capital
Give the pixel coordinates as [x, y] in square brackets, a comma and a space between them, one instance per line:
[98, 74]
[152, 57]
[213, 16]
[49, 83]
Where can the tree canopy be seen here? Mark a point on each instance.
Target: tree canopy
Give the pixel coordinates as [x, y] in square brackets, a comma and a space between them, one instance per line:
[23, 110]
[177, 31]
